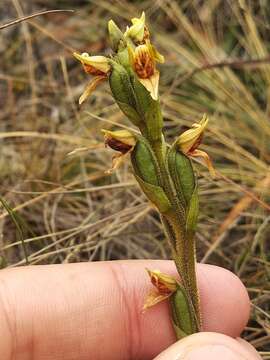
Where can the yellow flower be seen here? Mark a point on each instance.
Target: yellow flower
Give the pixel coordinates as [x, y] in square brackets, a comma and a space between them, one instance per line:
[94, 65]
[136, 31]
[165, 286]
[164, 283]
[189, 141]
[122, 141]
[143, 60]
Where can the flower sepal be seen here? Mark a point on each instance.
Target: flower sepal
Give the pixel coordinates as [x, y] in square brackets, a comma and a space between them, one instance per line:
[122, 141]
[93, 65]
[117, 38]
[119, 140]
[97, 66]
[165, 285]
[143, 60]
[189, 141]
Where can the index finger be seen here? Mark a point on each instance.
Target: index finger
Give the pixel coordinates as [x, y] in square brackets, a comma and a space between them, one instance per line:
[93, 310]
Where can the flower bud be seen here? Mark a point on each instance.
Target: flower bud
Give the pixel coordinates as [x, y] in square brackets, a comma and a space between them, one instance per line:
[116, 35]
[136, 31]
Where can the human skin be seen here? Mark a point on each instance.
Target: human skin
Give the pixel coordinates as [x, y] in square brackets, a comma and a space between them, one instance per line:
[94, 310]
[209, 346]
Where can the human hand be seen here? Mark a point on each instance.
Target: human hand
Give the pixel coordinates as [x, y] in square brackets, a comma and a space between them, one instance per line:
[94, 311]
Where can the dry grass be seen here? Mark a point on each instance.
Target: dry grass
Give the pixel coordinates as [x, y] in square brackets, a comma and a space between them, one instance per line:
[70, 210]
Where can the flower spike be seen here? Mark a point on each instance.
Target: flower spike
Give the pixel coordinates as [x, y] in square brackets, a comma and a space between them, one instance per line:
[164, 173]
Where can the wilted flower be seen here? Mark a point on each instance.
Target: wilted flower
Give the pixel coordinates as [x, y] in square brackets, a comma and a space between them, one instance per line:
[189, 141]
[143, 60]
[94, 65]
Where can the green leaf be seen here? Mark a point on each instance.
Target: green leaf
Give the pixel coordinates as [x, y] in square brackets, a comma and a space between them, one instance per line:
[182, 174]
[132, 114]
[154, 121]
[155, 194]
[149, 110]
[123, 92]
[183, 320]
[143, 96]
[180, 334]
[144, 162]
[192, 213]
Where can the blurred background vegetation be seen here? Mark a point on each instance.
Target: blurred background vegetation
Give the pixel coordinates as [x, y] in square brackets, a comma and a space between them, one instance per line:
[59, 205]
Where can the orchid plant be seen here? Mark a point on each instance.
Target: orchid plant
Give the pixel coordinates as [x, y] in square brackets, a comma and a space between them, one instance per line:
[164, 172]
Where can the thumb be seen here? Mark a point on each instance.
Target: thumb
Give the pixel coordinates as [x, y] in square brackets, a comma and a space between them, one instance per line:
[210, 346]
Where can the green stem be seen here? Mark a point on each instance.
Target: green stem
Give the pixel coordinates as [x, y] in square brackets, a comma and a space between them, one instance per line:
[183, 249]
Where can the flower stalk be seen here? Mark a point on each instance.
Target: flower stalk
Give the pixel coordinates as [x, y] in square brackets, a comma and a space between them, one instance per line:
[164, 172]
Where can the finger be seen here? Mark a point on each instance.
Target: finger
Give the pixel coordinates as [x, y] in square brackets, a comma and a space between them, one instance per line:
[210, 346]
[93, 310]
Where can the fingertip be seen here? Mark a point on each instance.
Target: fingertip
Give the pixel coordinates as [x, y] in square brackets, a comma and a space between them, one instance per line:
[224, 300]
[210, 346]
[249, 348]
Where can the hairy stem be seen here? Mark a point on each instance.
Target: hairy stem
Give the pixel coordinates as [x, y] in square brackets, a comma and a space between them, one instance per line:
[183, 249]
